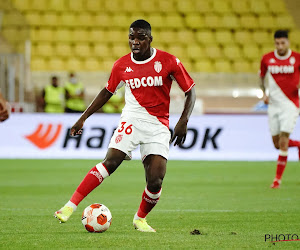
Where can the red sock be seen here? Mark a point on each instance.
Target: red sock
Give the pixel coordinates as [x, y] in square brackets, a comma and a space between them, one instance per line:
[149, 200]
[281, 163]
[293, 143]
[92, 180]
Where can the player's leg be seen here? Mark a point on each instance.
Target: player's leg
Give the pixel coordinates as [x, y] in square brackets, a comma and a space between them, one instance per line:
[294, 143]
[287, 117]
[120, 146]
[283, 142]
[275, 139]
[155, 170]
[292, 117]
[92, 180]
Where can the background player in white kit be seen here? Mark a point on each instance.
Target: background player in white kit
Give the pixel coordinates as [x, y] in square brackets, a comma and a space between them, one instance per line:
[146, 73]
[282, 69]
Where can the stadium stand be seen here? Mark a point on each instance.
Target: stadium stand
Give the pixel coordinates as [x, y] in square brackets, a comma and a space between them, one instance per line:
[226, 30]
[208, 36]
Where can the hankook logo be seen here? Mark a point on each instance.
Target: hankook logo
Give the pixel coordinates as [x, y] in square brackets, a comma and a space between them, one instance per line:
[44, 135]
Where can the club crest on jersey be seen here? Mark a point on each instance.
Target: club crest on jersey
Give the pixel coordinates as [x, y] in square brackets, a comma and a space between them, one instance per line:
[157, 66]
[119, 138]
[292, 60]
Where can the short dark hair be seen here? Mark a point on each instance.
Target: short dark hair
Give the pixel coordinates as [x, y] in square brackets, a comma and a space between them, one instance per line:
[281, 33]
[142, 24]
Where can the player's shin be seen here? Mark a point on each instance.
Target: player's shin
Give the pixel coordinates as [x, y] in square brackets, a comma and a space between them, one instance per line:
[149, 200]
[281, 163]
[92, 180]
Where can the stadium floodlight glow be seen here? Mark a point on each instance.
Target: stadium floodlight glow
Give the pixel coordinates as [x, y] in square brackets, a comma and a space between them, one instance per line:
[235, 93]
[259, 93]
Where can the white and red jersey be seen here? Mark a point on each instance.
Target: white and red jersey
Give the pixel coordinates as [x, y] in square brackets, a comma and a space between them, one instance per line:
[283, 76]
[148, 84]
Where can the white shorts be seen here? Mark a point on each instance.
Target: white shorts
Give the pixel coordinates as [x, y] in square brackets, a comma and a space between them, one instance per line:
[131, 132]
[282, 118]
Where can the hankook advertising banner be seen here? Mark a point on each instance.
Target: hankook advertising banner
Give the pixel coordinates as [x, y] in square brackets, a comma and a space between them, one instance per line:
[209, 137]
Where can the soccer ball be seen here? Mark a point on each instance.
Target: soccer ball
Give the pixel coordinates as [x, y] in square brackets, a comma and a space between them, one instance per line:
[96, 218]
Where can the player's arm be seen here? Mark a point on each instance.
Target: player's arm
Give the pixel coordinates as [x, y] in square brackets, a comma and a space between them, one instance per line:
[96, 104]
[181, 126]
[263, 88]
[4, 109]
[262, 74]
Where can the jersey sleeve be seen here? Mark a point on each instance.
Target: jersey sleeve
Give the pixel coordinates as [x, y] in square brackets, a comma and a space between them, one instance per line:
[263, 67]
[114, 81]
[181, 76]
[298, 60]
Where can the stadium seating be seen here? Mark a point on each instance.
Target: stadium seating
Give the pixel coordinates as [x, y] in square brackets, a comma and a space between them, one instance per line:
[267, 22]
[224, 37]
[230, 21]
[43, 49]
[102, 50]
[240, 7]
[221, 7]
[261, 37]
[39, 64]
[63, 49]
[232, 52]
[277, 7]
[214, 52]
[56, 63]
[222, 66]
[194, 21]
[203, 66]
[242, 65]
[74, 63]
[92, 64]
[207, 35]
[242, 37]
[195, 52]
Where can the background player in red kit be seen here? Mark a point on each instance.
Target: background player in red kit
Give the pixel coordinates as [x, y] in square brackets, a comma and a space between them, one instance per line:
[146, 73]
[282, 69]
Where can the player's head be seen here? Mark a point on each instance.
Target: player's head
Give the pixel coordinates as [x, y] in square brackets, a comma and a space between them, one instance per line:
[54, 81]
[72, 77]
[282, 44]
[140, 39]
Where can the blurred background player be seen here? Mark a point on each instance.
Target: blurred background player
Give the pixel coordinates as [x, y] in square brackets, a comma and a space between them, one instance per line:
[282, 69]
[53, 97]
[115, 104]
[4, 109]
[74, 95]
[146, 73]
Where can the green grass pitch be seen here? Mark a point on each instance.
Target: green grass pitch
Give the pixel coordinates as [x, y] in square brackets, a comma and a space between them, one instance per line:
[230, 203]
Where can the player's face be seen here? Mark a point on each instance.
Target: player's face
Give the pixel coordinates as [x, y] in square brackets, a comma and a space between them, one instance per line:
[139, 43]
[54, 82]
[282, 45]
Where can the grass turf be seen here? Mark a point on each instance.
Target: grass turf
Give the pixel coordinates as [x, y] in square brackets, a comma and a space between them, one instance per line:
[230, 203]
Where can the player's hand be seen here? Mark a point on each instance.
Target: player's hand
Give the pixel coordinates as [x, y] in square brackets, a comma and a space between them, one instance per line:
[4, 111]
[77, 128]
[179, 133]
[266, 99]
